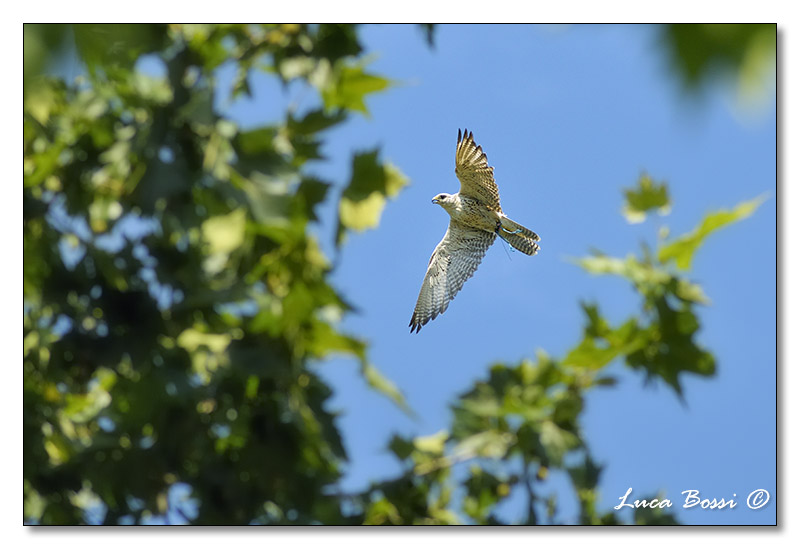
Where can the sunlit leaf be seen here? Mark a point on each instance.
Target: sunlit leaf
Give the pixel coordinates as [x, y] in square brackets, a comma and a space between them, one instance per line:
[81, 408]
[682, 249]
[690, 291]
[490, 444]
[647, 195]
[225, 233]
[433, 444]
[152, 89]
[362, 214]
[192, 339]
[382, 512]
[630, 268]
[365, 196]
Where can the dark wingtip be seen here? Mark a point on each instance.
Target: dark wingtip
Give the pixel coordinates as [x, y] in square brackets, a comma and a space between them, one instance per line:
[459, 136]
[414, 323]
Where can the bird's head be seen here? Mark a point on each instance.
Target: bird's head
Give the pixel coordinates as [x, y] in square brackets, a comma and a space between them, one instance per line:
[441, 199]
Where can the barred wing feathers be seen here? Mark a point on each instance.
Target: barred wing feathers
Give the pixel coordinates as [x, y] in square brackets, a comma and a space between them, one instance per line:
[453, 262]
[474, 172]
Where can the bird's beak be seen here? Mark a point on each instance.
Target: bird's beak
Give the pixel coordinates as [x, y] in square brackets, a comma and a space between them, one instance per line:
[434, 200]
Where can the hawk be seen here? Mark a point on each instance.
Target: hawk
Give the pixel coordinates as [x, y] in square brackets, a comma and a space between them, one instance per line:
[476, 218]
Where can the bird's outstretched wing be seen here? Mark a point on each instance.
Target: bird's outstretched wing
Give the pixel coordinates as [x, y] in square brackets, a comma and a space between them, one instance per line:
[475, 173]
[453, 262]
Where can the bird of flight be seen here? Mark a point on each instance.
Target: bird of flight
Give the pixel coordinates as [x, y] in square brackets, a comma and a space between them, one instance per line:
[476, 218]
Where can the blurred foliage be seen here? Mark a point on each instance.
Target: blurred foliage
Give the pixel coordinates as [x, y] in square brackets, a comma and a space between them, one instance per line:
[644, 197]
[176, 297]
[429, 29]
[365, 196]
[174, 292]
[701, 52]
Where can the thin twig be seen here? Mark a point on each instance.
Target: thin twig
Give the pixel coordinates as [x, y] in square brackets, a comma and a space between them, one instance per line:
[526, 477]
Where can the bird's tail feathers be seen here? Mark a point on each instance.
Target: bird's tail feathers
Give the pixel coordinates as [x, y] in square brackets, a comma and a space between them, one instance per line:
[518, 236]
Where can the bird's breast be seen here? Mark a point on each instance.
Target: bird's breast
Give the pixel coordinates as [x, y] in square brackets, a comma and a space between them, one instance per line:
[474, 214]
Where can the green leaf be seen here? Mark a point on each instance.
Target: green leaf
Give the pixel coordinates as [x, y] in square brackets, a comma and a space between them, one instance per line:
[295, 67]
[402, 448]
[315, 121]
[268, 199]
[335, 41]
[556, 441]
[488, 444]
[326, 341]
[225, 233]
[669, 347]
[382, 512]
[432, 444]
[362, 214]
[112, 45]
[682, 249]
[349, 85]
[152, 89]
[484, 491]
[384, 385]
[365, 196]
[644, 197]
[699, 51]
[257, 151]
[309, 193]
[601, 344]
[585, 477]
[596, 325]
[631, 268]
[689, 291]
[81, 408]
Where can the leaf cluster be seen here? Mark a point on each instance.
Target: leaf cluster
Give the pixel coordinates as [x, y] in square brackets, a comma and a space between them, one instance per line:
[176, 295]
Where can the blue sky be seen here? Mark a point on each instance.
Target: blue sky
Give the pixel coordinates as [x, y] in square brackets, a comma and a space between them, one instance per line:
[568, 116]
